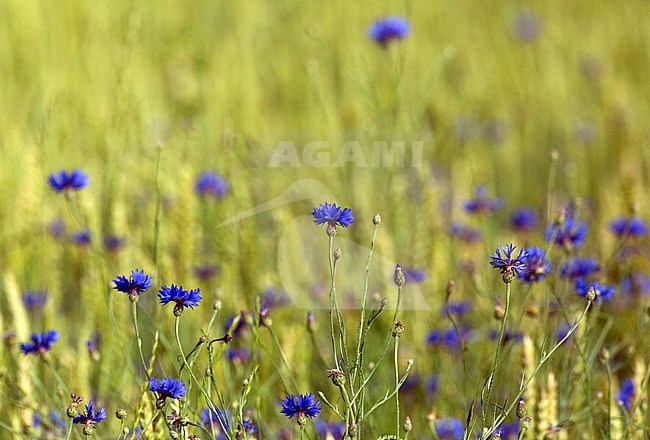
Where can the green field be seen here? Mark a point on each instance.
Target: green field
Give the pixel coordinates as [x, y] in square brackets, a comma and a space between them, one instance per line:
[544, 104]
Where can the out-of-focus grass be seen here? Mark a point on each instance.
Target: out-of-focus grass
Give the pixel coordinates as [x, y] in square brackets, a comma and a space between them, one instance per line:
[219, 84]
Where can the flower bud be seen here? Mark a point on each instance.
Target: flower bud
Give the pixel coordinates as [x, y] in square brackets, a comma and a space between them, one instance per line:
[337, 376]
[216, 305]
[591, 294]
[376, 219]
[521, 409]
[408, 425]
[398, 329]
[311, 323]
[121, 413]
[337, 254]
[399, 276]
[499, 312]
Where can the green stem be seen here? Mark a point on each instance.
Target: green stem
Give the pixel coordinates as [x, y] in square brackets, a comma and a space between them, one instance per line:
[495, 365]
[332, 300]
[134, 312]
[276, 341]
[504, 414]
[208, 400]
[395, 361]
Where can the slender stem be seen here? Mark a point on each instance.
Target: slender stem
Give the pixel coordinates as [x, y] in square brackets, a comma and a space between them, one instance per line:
[208, 400]
[360, 338]
[504, 414]
[496, 356]
[276, 341]
[397, 420]
[332, 299]
[134, 312]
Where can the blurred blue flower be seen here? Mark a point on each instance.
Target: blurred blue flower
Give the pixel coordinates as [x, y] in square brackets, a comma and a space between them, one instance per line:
[523, 219]
[57, 228]
[332, 215]
[301, 406]
[464, 233]
[602, 292]
[413, 275]
[113, 243]
[431, 384]
[562, 331]
[180, 297]
[635, 284]
[506, 263]
[628, 227]
[458, 308]
[67, 181]
[578, 268]
[447, 338]
[137, 283]
[41, 342]
[52, 428]
[527, 26]
[206, 271]
[210, 184]
[81, 238]
[482, 204]
[272, 298]
[34, 300]
[570, 234]
[216, 422]
[167, 388]
[238, 355]
[387, 29]
[508, 336]
[90, 417]
[625, 394]
[329, 430]
[449, 429]
[536, 266]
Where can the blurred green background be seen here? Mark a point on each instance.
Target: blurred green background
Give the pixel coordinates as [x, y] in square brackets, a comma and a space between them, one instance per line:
[489, 89]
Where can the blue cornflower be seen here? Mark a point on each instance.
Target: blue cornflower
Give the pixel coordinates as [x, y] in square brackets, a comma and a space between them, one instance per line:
[41, 342]
[113, 243]
[67, 181]
[562, 331]
[458, 308]
[602, 292]
[628, 227]
[578, 268]
[509, 266]
[52, 428]
[329, 430]
[449, 429]
[215, 420]
[482, 203]
[238, 355]
[508, 336]
[167, 388]
[302, 406]
[464, 233]
[81, 238]
[387, 29]
[211, 184]
[635, 283]
[272, 298]
[414, 275]
[570, 234]
[332, 215]
[447, 338]
[34, 300]
[431, 384]
[206, 271]
[625, 394]
[137, 283]
[536, 266]
[91, 417]
[523, 219]
[56, 228]
[181, 297]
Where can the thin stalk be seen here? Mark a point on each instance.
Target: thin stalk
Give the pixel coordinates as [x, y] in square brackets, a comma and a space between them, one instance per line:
[208, 400]
[332, 299]
[495, 365]
[504, 414]
[396, 365]
[276, 341]
[134, 312]
[360, 335]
